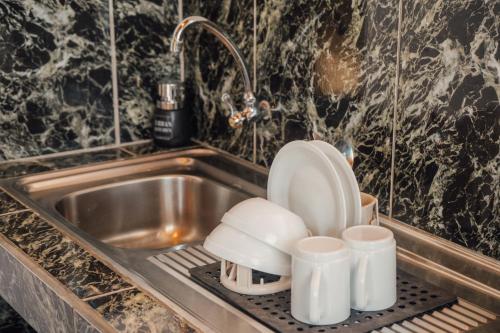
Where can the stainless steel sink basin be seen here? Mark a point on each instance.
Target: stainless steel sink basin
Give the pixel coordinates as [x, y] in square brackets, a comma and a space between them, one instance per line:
[127, 212]
[156, 202]
[150, 213]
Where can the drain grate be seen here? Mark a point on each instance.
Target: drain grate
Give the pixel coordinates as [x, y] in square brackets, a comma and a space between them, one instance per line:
[414, 297]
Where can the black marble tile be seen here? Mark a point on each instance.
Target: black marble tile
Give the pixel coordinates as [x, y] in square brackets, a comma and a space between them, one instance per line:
[447, 149]
[9, 204]
[211, 71]
[55, 76]
[16, 169]
[74, 267]
[328, 69]
[143, 30]
[11, 321]
[134, 311]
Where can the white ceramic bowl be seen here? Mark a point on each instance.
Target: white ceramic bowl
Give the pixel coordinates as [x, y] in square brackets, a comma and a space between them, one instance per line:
[238, 247]
[267, 222]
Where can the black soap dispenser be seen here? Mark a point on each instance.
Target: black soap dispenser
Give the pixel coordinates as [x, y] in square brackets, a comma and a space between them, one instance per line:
[171, 124]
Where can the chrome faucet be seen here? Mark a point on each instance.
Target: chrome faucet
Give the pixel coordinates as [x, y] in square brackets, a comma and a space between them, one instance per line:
[250, 109]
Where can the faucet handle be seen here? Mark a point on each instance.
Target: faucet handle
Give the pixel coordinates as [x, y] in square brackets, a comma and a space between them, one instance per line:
[250, 111]
[226, 99]
[236, 119]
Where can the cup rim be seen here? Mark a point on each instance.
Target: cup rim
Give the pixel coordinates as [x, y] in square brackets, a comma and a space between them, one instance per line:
[354, 239]
[371, 198]
[305, 250]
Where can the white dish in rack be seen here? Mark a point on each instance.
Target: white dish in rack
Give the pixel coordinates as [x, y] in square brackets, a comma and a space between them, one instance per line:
[303, 180]
[352, 195]
[267, 222]
[239, 248]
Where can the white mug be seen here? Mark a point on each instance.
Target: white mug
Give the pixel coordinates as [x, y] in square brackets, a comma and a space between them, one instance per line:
[320, 281]
[369, 206]
[373, 267]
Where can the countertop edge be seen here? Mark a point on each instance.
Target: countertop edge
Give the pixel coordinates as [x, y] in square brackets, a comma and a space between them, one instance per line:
[57, 287]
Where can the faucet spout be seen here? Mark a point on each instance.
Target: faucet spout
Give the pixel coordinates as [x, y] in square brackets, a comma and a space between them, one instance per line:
[211, 27]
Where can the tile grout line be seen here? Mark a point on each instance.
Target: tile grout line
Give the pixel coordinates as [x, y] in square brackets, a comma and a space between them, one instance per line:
[91, 298]
[125, 150]
[395, 109]
[254, 53]
[16, 211]
[180, 13]
[114, 74]
[74, 152]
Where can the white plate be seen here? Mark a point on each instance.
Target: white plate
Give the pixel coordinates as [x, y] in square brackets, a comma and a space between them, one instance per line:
[303, 180]
[352, 196]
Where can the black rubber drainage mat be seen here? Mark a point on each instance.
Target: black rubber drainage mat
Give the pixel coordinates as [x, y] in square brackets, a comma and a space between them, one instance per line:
[414, 297]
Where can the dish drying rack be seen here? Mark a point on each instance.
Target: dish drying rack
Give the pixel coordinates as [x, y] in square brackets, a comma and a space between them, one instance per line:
[435, 310]
[241, 279]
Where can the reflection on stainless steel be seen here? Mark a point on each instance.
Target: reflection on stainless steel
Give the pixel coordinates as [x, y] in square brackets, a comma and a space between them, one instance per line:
[469, 275]
[424, 324]
[177, 43]
[464, 319]
[438, 323]
[345, 147]
[150, 213]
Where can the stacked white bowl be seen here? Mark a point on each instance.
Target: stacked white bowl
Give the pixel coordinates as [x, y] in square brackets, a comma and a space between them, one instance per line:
[256, 234]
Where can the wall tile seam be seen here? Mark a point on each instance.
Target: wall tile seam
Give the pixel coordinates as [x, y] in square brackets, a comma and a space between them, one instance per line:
[254, 65]
[114, 73]
[180, 13]
[395, 110]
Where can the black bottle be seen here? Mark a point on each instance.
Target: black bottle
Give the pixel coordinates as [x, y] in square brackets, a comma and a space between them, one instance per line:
[171, 124]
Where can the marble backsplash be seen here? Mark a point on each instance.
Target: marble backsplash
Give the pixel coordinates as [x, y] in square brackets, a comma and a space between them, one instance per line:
[330, 70]
[143, 30]
[331, 77]
[327, 71]
[447, 143]
[55, 77]
[428, 119]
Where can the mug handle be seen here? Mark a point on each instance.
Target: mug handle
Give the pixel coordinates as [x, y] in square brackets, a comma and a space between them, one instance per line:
[377, 222]
[314, 297]
[361, 299]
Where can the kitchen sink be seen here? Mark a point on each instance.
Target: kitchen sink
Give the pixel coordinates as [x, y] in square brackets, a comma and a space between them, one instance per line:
[158, 202]
[150, 213]
[147, 217]
[131, 211]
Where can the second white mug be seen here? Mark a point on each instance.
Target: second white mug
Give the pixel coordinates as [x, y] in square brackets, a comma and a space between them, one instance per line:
[373, 267]
[369, 209]
[320, 281]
